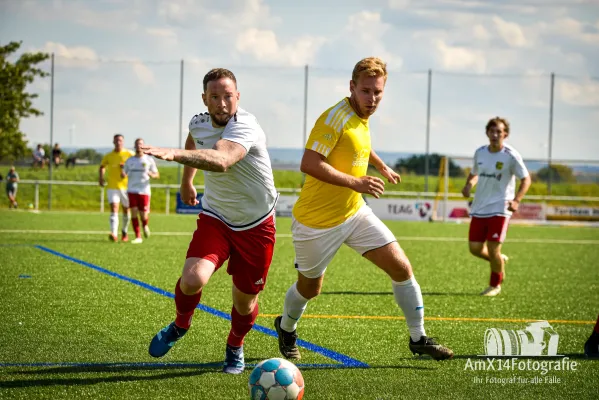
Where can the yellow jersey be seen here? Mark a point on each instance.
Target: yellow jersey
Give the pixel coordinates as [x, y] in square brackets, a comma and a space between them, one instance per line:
[113, 162]
[344, 139]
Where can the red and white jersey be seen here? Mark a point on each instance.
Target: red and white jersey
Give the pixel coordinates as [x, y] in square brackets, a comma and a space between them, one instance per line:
[137, 169]
[244, 195]
[496, 180]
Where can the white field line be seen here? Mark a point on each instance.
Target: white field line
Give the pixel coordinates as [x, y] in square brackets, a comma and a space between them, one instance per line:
[288, 235]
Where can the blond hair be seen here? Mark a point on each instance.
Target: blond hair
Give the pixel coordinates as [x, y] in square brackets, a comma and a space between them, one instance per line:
[371, 66]
[493, 122]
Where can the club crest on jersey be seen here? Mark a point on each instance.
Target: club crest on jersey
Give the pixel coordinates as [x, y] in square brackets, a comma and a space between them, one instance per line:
[498, 165]
[327, 136]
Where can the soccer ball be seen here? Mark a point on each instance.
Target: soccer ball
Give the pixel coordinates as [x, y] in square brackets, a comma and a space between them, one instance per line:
[276, 379]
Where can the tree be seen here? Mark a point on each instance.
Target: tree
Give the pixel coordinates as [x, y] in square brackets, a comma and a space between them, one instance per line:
[559, 173]
[15, 101]
[416, 164]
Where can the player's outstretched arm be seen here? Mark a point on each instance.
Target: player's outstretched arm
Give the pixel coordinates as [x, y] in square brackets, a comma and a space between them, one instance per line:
[315, 165]
[384, 169]
[218, 159]
[101, 175]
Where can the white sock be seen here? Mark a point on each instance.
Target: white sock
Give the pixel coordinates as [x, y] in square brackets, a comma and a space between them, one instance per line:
[126, 219]
[114, 223]
[295, 305]
[409, 298]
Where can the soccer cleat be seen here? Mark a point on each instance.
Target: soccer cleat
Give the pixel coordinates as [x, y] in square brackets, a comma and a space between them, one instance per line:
[137, 240]
[234, 361]
[165, 339]
[591, 347]
[287, 340]
[147, 231]
[112, 237]
[505, 258]
[428, 345]
[124, 237]
[491, 291]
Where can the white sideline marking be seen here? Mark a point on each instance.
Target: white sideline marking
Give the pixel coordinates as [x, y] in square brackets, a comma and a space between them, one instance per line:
[288, 235]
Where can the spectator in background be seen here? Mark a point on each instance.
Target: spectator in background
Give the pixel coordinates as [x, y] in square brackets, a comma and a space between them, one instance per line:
[11, 187]
[39, 157]
[56, 155]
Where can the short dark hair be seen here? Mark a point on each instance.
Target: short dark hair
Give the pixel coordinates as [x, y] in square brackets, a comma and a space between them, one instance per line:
[493, 122]
[218, 73]
[117, 135]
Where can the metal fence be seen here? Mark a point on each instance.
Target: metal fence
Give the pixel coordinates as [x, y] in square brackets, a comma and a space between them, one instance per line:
[87, 100]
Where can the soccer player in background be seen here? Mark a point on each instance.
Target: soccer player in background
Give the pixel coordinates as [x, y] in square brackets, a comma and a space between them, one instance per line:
[495, 168]
[237, 218]
[12, 179]
[591, 347]
[330, 211]
[114, 162]
[139, 169]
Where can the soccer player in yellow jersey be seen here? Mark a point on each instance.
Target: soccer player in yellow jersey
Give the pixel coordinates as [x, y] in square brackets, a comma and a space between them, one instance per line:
[330, 211]
[116, 185]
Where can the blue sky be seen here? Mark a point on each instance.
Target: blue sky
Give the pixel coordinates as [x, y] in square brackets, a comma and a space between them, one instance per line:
[118, 67]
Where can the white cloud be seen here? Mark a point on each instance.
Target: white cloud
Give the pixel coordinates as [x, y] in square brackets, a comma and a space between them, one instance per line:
[166, 36]
[264, 46]
[143, 73]
[578, 94]
[479, 32]
[74, 56]
[456, 58]
[510, 32]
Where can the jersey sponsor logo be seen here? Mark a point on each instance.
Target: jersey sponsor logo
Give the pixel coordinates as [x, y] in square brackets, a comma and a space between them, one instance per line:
[494, 176]
[498, 165]
[361, 158]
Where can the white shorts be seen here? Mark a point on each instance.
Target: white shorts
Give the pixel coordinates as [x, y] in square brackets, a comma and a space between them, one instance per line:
[315, 248]
[118, 196]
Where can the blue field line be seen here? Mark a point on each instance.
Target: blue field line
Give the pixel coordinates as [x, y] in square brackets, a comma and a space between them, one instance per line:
[333, 355]
[147, 365]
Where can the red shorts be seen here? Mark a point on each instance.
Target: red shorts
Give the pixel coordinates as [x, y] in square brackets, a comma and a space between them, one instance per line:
[249, 252]
[492, 229]
[139, 201]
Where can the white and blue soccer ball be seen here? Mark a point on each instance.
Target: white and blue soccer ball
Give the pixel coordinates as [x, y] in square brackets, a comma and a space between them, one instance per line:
[276, 379]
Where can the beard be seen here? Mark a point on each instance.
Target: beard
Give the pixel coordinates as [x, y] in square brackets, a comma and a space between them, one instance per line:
[221, 120]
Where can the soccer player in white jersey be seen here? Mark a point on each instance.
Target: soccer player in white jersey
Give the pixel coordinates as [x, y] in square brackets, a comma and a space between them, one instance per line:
[494, 170]
[331, 212]
[139, 169]
[237, 218]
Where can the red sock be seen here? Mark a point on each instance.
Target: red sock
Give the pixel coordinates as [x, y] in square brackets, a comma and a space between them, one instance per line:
[496, 278]
[240, 326]
[186, 306]
[135, 223]
[144, 222]
[596, 329]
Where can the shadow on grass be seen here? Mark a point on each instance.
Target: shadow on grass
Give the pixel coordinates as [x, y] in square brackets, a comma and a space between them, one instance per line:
[354, 293]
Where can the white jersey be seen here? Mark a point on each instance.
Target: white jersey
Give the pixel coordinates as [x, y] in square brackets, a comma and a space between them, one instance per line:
[496, 180]
[137, 169]
[244, 195]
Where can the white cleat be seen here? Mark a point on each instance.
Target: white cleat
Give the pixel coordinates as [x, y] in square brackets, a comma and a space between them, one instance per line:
[137, 241]
[491, 291]
[147, 232]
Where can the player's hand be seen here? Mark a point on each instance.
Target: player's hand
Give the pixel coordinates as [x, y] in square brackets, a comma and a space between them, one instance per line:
[513, 205]
[466, 190]
[101, 182]
[392, 176]
[369, 185]
[159, 152]
[189, 194]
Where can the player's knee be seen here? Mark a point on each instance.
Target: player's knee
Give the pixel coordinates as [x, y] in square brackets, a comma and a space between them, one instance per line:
[309, 288]
[476, 249]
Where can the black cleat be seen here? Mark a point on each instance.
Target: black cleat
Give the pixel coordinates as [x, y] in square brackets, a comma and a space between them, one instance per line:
[591, 347]
[287, 340]
[427, 345]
